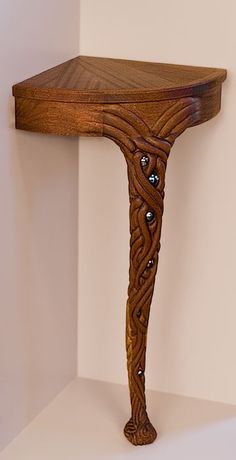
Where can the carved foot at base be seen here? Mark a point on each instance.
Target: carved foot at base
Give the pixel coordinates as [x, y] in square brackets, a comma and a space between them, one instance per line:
[141, 434]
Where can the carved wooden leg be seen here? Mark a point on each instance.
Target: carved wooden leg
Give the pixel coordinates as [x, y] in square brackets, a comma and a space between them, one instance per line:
[146, 148]
[146, 173]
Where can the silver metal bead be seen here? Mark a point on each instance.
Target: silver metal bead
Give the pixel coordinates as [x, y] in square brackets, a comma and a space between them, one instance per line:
[144, 161]
[154, 178]
[150, 216]
[140, 372]
[150, 264]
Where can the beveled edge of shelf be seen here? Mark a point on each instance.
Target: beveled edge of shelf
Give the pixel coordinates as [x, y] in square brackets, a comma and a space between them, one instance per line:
[107, 96]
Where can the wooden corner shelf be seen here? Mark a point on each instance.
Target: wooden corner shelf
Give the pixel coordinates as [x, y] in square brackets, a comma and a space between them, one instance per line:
[143, 107]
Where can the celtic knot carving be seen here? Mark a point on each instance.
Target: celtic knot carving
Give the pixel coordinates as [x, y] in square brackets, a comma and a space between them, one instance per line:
[146, 150]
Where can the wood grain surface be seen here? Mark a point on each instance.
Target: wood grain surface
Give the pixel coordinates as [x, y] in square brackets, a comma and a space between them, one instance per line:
[142, 107]
[146, 149]
[97, 80]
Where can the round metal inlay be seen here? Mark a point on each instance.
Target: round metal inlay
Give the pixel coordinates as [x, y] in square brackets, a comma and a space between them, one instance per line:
[150, 264]
[149, 216]
[140, 372]
[154, 178]
[144, 161]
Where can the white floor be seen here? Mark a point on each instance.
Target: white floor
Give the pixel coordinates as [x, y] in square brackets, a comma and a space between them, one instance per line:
[86, 422]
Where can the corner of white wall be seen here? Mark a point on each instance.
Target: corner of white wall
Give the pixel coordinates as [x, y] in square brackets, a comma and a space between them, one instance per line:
[38, 234]
[192, 335]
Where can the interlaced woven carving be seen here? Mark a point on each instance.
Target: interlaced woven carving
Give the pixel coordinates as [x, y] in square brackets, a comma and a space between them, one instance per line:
[146, 151]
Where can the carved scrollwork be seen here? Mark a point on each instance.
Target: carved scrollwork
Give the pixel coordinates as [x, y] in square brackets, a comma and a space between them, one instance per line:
[146, 150]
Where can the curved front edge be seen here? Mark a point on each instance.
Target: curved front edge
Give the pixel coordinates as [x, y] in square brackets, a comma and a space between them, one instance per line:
[146, 149]
[210, 104]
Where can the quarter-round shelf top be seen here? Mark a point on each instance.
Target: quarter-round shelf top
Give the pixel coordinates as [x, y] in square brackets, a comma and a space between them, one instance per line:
[105, 80]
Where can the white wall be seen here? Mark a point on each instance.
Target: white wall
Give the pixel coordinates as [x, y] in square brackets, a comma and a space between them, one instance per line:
[192, 338]
[38, 231]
